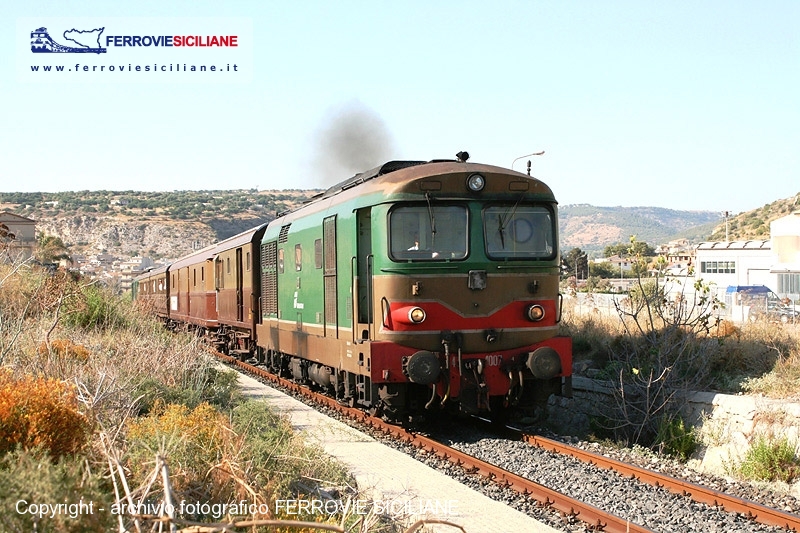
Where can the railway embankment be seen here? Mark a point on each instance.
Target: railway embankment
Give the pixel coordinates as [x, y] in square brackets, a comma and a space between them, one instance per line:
[727, 424]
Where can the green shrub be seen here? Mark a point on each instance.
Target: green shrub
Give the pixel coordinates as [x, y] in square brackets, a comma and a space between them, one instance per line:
[771, 460]
[96, 308]
[676, 439]
[280, 460]
[199, 384]
[30, 476]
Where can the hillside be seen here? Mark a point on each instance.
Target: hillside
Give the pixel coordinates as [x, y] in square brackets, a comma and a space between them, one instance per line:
[171, 224]
[592, 228]
[754, 224]
[159, 225]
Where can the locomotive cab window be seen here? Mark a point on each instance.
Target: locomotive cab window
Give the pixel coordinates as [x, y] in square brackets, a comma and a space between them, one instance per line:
[519, 232]
[428, 233]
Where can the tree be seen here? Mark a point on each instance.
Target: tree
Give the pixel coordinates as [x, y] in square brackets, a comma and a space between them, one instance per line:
[575, 263]
[634, 247]
[603, 270]
[51, 249]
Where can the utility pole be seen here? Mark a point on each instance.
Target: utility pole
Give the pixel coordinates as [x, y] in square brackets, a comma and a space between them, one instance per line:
[727, 214]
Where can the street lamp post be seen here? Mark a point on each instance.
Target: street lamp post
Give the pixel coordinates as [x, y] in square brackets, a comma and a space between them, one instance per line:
[529, 163]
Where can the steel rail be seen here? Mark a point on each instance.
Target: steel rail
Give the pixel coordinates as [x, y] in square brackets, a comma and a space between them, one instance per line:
[733, 504]
[595, 518]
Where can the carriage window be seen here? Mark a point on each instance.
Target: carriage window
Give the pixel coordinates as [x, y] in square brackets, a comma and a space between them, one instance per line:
[428, 233]
[519, 232]
[219, 275]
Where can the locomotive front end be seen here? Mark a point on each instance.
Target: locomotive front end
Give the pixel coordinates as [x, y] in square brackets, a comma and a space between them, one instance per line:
[464, 284]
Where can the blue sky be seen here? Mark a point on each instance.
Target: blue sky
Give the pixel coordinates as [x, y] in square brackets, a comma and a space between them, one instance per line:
[684, 105]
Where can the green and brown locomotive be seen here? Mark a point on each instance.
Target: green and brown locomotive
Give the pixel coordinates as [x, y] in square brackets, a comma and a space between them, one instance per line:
[407, 289]
[417, 286]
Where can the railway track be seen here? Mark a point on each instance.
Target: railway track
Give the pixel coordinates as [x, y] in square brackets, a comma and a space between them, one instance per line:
[732, 504]
[571, 509]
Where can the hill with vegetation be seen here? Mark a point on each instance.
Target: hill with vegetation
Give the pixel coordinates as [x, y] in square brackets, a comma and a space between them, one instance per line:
[754, 224]
[154, 224]
[171, 224]
[592, 228]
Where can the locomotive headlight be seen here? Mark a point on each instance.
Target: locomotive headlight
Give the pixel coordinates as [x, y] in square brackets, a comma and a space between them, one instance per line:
[476, 182]
[416, 315]
[410, 314]
[535, 313]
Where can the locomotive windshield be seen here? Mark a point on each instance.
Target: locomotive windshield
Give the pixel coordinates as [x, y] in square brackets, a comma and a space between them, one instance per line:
[428, 233]
[519, 232]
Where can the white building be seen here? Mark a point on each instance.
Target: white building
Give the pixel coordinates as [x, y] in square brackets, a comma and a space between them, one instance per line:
[785, 234]
[774, 263]
[734, 263]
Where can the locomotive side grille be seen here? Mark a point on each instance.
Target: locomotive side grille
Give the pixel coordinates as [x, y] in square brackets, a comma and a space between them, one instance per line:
[329, 254]
[330, 300]
[269, 278]
[329, 263]
[283, 236]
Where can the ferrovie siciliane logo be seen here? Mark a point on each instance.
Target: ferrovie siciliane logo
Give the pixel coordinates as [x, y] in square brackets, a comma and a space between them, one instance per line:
[85, 41]
[134, 49]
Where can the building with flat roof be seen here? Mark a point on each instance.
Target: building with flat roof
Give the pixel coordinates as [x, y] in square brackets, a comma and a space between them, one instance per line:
[773, 263]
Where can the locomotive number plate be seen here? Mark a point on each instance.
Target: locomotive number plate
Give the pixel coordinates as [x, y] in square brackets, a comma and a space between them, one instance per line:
[494, 360]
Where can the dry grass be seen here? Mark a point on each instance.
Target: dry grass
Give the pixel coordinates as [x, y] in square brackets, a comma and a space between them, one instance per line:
[158, 420]
[757, 357]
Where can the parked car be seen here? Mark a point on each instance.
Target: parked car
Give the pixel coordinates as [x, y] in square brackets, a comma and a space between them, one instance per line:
[764, 304]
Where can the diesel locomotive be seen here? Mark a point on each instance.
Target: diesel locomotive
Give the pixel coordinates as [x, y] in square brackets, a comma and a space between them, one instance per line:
[411, 288]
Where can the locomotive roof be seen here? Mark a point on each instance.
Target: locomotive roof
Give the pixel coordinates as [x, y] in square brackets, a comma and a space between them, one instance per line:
[400, 177]
[397, 173]
[361, 177]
